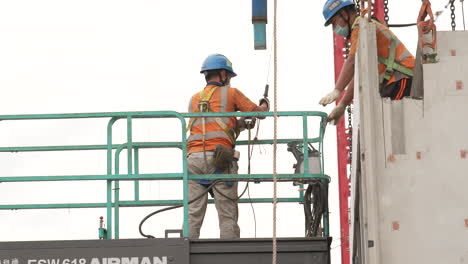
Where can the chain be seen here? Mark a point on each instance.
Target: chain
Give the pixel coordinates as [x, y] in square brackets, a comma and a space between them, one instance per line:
[346, 48]
[386, 18]
[452, 8]
[358, 7]
[349, 110]
[350, 136]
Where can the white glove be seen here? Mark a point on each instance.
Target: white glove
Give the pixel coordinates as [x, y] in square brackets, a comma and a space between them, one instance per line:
[330, 98]
[336, 113]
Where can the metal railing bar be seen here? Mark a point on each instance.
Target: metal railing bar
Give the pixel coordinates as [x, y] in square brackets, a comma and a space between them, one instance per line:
[141, 203]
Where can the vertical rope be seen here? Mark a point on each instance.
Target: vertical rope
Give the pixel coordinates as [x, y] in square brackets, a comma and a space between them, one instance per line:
[463, 13]
[275, 126]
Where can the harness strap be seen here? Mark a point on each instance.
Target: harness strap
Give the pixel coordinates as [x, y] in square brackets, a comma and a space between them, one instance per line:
[203, 98]
[226, 129]
[207, 97]
[205, 107]
[390, 62]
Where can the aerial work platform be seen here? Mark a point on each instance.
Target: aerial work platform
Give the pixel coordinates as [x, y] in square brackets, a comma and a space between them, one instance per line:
[113, 250]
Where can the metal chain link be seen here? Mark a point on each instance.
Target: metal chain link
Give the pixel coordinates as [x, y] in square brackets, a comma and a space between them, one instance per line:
[452, 8]
[386, 18]
[346, 48]
[347, 45]
[358, 7]
[350, 136]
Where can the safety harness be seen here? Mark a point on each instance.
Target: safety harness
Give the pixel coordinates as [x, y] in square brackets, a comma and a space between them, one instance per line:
[204, 107]
[232, 134]
[390, 63]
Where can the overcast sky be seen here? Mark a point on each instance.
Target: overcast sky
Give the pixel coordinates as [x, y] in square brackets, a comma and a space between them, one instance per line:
[103, 56]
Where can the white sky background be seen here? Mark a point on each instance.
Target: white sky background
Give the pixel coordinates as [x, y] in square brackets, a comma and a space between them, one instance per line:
[106, 56]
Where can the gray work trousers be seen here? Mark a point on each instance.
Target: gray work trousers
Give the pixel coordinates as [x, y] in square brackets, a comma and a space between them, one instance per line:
[228, 211]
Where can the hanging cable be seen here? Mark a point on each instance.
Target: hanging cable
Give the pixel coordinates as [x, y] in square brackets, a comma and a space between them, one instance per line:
[253, 211]
[172, 207]
[402, 25]
[249, 154]
[256, 137]
[316, 195]
[387, 18]
[205, 192]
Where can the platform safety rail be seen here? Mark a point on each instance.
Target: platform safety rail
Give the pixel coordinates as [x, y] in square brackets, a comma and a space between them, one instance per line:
[112, 177]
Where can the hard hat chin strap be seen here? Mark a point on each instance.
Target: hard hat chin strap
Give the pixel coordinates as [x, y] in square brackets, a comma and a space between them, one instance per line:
[223, 82]
[346, 20]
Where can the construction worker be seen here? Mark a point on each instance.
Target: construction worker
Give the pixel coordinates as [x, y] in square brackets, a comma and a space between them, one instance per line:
[210, 138]
[396, 63]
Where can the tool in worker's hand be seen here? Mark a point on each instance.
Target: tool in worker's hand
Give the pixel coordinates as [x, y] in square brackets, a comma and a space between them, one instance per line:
[265, 93]
[250, 122]
[265, 97]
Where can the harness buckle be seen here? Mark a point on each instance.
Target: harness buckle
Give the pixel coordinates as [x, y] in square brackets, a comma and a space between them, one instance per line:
[389, 72]
[204, 106]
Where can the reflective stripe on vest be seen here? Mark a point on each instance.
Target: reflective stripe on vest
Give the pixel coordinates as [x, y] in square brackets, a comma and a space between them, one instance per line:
[223, 122]
[209, 120]
[391, 63]
[209, 135]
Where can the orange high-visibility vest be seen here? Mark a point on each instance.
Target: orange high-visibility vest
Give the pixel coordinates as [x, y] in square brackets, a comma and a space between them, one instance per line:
[220, 128]
[395, 61]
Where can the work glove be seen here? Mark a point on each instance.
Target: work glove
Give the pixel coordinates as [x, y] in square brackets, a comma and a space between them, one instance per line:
[330, 98]
[243, 125]
[336, 113]
[265, 100]
[250, 122]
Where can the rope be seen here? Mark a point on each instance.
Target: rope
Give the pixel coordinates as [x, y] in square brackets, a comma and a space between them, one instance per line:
[463, 13]
[275, 126]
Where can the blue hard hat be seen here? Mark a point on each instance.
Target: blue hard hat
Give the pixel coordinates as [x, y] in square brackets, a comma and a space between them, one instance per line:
[332, 7]
[217, 62]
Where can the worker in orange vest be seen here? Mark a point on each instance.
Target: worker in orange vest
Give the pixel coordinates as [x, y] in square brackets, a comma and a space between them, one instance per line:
[211, 135]
[396, 63]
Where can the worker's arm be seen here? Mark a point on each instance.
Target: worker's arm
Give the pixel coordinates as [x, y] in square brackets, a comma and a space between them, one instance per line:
[349, 94]
[263, 107]
[242, 121]
[346, 75]
[340, 108]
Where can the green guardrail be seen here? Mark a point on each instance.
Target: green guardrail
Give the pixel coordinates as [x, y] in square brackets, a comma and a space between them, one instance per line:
[113, 178]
